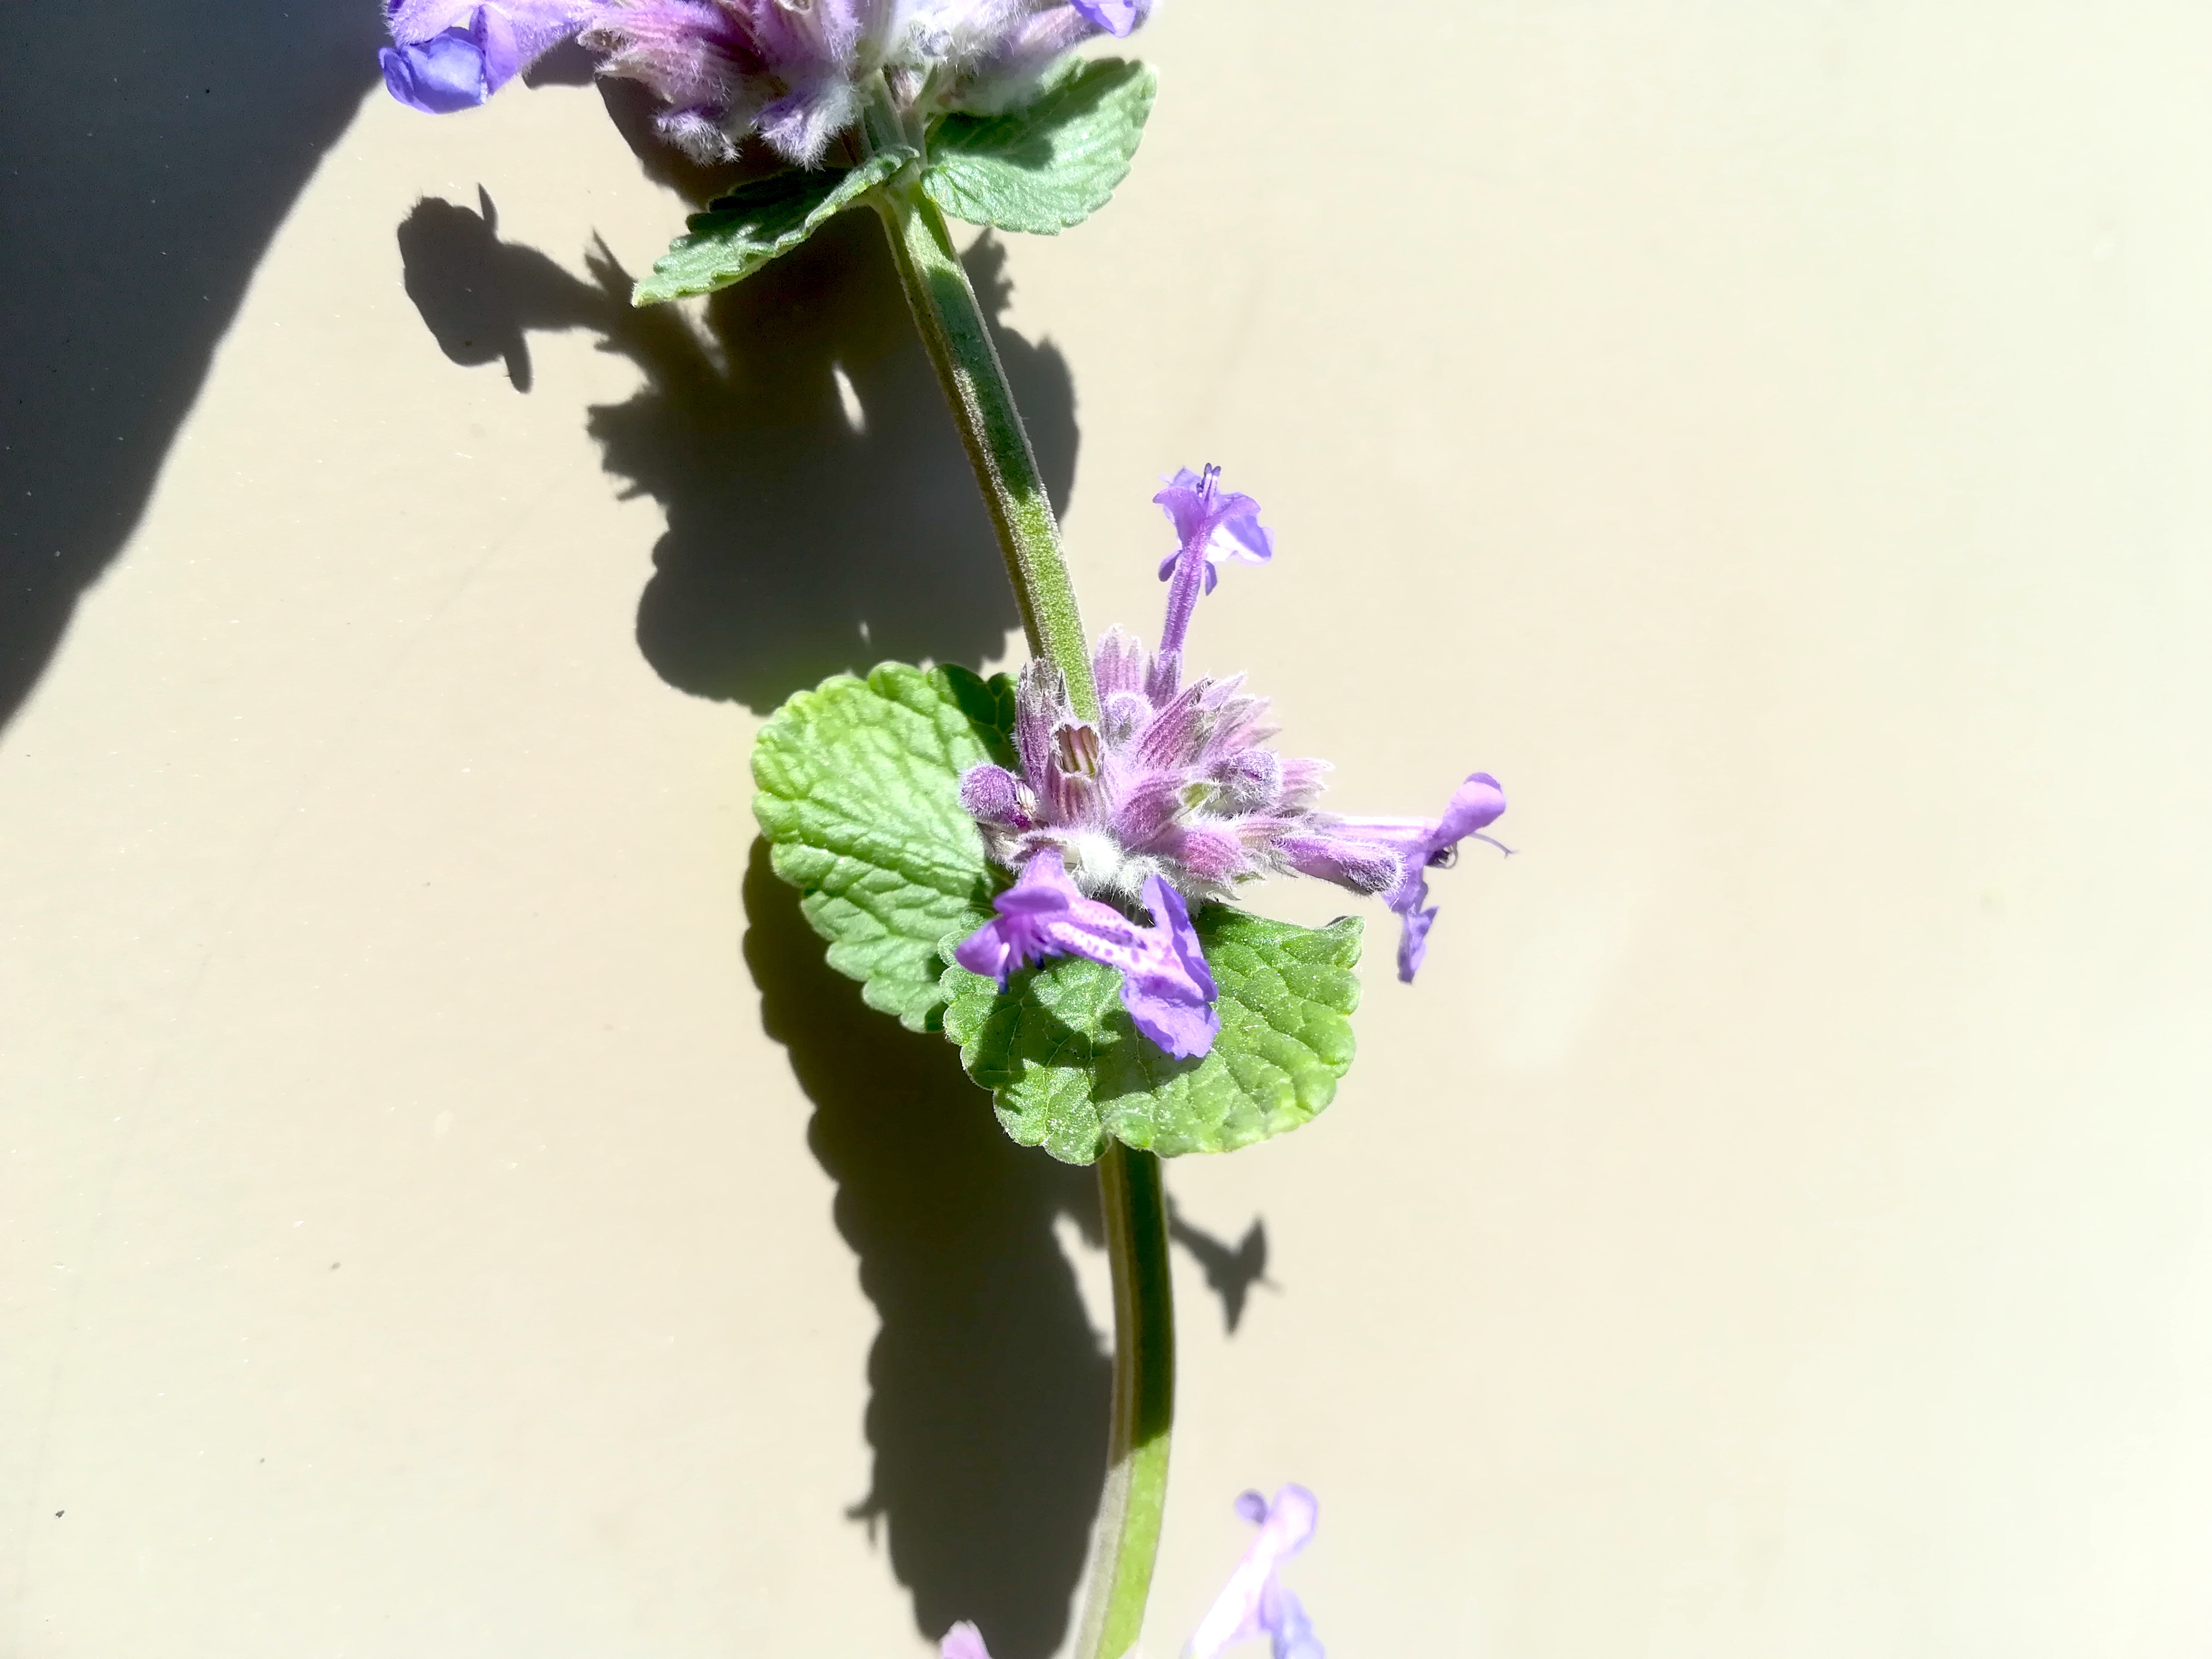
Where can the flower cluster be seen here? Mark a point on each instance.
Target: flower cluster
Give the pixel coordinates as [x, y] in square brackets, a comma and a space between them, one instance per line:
[1253, 1603]
[792, 70]
[1172, 794]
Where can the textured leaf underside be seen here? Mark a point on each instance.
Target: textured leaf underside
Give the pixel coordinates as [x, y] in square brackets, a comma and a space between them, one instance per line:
[859, 796]
[1068, 1068]
[1053, 162]
[740, 232]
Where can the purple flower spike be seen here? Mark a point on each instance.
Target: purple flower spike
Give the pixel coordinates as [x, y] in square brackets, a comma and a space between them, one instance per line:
[963, 1641]
[1254, 1601]
[1164, 982]
[449, 55]
[1172, 792]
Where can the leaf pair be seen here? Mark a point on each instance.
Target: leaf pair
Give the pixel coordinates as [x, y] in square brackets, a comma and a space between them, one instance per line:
[858, 784]
[1043, 167]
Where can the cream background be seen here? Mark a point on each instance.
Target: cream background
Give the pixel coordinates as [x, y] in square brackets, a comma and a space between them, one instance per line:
[1769, 437]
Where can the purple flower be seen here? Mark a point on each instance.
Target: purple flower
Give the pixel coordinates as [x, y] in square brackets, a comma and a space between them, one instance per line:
[963, 1641]
[792, 70]
[795, 72]
[1164, 982]
[1343, 850]
[450, 55]
[1175, 783]
[1254, 1601]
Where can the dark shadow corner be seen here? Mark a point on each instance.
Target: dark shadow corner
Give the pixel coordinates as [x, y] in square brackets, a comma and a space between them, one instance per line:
[153, 150]
[989, 1391]
[821, 515]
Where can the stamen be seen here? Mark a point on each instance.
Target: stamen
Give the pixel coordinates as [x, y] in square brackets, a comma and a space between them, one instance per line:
[1207, 479]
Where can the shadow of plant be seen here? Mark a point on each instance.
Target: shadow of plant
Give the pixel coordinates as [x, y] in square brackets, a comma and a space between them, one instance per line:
[153, 150]
[821, 514]
[988, 1389]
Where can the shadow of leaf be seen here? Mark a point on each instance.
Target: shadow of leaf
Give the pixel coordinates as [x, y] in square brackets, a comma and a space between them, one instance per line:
[989, 1391]
[821, 515]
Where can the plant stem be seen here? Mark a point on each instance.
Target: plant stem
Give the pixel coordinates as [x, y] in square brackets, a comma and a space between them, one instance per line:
[958, 340]
[957, 337]
[1135, 1209]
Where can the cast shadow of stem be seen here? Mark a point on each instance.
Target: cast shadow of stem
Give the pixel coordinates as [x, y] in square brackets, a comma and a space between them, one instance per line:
[821, 515]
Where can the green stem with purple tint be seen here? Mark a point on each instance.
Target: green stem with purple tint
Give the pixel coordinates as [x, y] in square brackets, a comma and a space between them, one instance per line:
[957, 337]
[1131, 1201]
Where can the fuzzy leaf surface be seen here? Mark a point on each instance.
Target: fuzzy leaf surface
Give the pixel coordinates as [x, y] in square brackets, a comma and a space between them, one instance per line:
[858, 796]
[1068, 1068]
[741, 232]
[1050, 164]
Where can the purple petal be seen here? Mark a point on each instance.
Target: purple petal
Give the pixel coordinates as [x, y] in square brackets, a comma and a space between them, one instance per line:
[986, 952]
[1414, 941]
[1238, 532]
[452, 55]
[1117, 17]
[963, 1641]
[1285, 1620]
[1238, 1613]
[1170, 912]
[1170, 996]
[1475, 805]
[1164, 982]
[439, 76]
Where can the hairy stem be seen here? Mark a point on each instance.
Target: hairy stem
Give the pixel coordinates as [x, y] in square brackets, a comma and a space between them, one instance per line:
[1135, 1209]
[958, 340]
[957, 337]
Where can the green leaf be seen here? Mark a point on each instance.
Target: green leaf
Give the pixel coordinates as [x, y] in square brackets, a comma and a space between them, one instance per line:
[1050, 164]
[740, 232]
[1068, 1069]
[859, 797]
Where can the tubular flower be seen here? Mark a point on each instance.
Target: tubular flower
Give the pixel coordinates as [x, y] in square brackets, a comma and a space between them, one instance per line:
[1164, 982]
[792, 70]
[448, 54]
[1175, 783]
[963, 1641]
[1254, 1601]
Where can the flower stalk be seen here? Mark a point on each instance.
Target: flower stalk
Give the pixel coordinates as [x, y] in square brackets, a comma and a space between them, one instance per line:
[1132, 1200]
[957, 337]
[1129, 1538]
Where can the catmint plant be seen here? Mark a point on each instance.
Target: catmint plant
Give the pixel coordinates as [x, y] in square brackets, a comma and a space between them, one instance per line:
[1051, 869]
